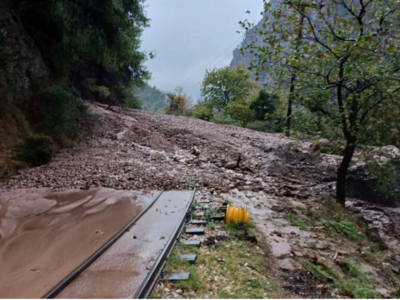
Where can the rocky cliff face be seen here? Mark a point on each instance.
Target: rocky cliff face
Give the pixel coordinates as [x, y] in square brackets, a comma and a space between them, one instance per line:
[244, 56]
[22, 63]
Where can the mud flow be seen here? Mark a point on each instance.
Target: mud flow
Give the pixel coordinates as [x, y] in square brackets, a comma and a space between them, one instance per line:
[46, 235]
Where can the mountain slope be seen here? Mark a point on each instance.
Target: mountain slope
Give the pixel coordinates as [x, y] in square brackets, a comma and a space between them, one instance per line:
[285, 187]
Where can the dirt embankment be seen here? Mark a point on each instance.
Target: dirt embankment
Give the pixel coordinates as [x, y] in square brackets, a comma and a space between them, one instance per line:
[137, 150]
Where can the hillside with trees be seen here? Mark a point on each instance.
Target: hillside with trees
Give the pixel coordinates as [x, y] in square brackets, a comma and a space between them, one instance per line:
[301, 132]
[152, 99]
[55, 53]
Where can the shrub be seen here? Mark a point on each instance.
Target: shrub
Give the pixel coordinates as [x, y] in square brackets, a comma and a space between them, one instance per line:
[203, 112]
[224, 119]
[58, 111]
[179, 103]
[265, 103]
[239, 111]
[343, 228]
[257, 125]
[102, 92]
[132, 101]
[34, 151]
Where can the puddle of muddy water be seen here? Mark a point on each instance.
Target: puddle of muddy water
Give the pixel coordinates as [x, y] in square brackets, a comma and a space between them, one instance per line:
[45, 235]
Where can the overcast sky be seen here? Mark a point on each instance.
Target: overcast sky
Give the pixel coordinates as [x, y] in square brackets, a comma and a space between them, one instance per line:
[190, 36]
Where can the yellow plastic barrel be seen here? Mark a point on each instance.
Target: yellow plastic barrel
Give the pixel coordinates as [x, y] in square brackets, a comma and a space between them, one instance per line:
[237, 214]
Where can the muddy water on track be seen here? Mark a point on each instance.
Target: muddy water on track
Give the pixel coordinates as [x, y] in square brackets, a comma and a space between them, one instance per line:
[44, 235]
[120, 271]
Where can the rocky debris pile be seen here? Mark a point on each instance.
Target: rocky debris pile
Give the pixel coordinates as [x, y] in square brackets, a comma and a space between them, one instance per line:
[274, 176]
[141, 150]
[383, 223]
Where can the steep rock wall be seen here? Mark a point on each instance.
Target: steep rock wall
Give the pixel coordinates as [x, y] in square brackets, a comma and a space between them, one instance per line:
[23, 65]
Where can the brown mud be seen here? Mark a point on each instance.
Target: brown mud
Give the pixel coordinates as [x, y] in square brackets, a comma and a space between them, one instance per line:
[124, 266]
[45, 235]
[278, 178]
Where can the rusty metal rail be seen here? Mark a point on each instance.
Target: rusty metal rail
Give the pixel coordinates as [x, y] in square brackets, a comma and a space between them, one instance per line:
[63, 283]
[152, 277]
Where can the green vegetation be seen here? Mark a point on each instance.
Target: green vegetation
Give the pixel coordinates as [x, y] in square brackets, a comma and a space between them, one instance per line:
[222, 87]
[337, 222]
[100, 38]
[386, 177]
[35, 151]
[231, 269]
[179, 103]
[295, 221]
[343, 228]
[264, 105]
[57, 111]
[342, 70]
[355, 287]
[211, 225]
[91, 50]
[230, 97]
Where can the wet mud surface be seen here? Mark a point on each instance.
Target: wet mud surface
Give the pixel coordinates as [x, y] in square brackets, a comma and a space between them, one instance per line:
[45, 235]
[271, 174]
[120, 271]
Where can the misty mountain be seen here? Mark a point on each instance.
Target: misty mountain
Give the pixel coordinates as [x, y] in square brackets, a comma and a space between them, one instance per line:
[152, 98]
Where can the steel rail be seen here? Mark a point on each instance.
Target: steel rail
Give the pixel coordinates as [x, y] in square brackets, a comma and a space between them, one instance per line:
[63, 283]
[152, 277]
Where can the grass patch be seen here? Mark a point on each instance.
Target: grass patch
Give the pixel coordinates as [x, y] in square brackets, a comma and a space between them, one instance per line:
[336, 221]
[352, 283]
[343, 228]
[232, 269]
[295, 221]
[355, 288]
[211, 225]
[351, 270]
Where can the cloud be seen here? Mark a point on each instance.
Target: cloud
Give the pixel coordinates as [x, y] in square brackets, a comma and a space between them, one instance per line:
[190, 36]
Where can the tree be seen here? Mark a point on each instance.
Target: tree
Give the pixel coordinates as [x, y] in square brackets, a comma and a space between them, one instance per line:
[240, 111]
[265, 103]
[179, 103]
[203, 111]
[349, 53]
[224, 86]
[90, 39]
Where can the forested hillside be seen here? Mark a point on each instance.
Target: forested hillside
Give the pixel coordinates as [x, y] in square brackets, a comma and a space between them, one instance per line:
[301, 132]
[55, 53]
[152, 99]
[326, 70]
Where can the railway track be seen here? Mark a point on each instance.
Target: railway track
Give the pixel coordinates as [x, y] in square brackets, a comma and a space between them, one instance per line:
[130, 263]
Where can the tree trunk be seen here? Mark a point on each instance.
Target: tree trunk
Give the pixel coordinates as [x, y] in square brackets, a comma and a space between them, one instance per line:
[293, 78]
[289, 107]
[342, 173]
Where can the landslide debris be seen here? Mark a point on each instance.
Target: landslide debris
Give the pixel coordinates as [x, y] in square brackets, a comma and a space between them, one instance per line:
[284, 185]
